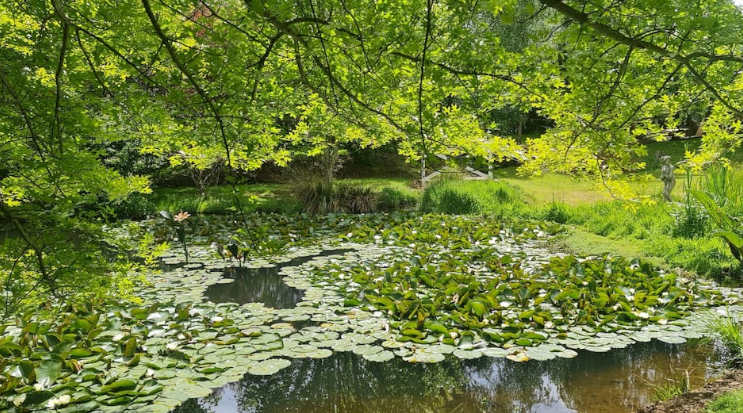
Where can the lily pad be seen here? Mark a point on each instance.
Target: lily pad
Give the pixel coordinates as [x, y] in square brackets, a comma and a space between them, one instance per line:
[269, 367]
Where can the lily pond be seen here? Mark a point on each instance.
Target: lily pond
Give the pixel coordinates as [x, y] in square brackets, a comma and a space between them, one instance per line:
[367, 314]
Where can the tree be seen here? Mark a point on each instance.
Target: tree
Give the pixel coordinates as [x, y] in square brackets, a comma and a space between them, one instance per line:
[249, 81]
[632, 68]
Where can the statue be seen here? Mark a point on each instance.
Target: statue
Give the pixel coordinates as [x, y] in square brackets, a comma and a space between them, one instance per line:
[666, 175]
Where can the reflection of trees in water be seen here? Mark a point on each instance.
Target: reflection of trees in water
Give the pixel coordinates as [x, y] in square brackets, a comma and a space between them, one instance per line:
[348, 383]
[261, 285]
[617, 381]
[203, 405]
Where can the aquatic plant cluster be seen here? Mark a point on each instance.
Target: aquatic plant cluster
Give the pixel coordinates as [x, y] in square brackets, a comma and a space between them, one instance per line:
[415, 287]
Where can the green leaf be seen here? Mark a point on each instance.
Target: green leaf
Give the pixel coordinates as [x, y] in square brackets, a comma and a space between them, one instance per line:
[119, 385]
[47, 371]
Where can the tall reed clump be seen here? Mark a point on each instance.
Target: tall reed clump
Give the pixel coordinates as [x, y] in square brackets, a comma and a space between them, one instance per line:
[462, 197]
[319, 197]
[729, 330]
[691, 219]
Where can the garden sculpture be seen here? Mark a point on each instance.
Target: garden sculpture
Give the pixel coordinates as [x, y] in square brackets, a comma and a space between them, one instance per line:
[666, 175]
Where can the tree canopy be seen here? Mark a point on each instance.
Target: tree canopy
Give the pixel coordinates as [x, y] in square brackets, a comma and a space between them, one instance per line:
[247, 82]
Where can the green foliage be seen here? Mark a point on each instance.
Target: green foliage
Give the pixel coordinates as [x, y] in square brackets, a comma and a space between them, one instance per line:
[320, 197]
[728, 229]
[442, 197]
[394, 199]
[621, 219]
[557, 212]
[730, 332]
[731, 402]
[673, 387]
[453, 196]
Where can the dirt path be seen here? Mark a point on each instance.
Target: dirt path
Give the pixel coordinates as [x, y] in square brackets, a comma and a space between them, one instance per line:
[696, 401]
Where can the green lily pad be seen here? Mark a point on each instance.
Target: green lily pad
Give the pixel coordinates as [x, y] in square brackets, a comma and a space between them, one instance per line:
[380, 356]
[269, 367]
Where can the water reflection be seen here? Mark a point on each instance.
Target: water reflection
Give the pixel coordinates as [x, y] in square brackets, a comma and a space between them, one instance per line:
[618, 382]
[261, 285]
[255, 285]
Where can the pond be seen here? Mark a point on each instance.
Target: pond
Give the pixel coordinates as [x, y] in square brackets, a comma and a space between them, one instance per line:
[426, 313]
[619, 381]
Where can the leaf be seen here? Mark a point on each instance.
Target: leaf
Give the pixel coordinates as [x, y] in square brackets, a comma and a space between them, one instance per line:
[36, 398]
[119, 385]
[268, 367]
[47, 371]
[130, 347]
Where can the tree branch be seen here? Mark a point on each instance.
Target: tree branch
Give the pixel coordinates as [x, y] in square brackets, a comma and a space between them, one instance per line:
[585, 20]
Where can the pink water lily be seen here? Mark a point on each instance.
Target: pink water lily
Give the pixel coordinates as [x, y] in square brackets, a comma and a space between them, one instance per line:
[181, 216]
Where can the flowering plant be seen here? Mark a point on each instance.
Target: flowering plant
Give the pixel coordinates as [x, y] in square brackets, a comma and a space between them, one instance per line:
[178, 222]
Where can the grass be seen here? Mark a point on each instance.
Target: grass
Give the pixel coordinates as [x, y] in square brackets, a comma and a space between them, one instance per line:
[492, 198]
[673, 387]
[731, 402]
[730, 332]
[582, 242]
[254, 197]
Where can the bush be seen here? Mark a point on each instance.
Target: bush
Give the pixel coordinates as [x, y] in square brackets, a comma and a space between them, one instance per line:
[136, 206]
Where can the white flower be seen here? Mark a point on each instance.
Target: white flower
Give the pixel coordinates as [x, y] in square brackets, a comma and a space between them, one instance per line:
[217, 319]
[117, 337]
[172, 345]
[38, 387]
[58, 401]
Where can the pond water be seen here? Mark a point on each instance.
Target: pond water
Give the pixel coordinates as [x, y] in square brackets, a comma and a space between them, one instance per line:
[261, 285]
[619, 381]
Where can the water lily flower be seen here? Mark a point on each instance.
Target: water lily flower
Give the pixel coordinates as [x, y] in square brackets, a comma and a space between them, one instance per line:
[58, 401]
[181, 216]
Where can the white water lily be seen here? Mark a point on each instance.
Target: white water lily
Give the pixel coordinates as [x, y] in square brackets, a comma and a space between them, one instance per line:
[58, 401]
[172, 345]
[117, 337]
